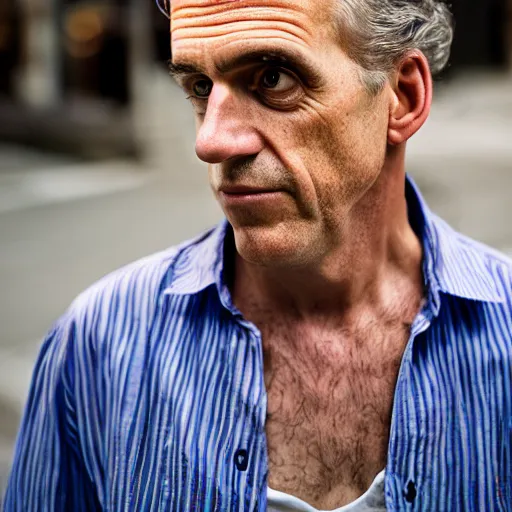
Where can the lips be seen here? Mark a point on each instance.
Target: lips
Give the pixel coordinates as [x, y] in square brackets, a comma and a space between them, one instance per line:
[240, 190]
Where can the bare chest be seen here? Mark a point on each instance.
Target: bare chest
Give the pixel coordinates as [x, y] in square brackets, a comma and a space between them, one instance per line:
[329, 412]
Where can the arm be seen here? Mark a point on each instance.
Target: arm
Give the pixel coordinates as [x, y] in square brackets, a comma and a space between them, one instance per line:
[48, 472]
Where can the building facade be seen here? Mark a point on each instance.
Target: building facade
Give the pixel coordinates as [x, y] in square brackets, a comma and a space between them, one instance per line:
[83, 59]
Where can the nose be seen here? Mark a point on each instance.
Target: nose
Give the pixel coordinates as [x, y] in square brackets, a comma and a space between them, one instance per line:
[225, 131]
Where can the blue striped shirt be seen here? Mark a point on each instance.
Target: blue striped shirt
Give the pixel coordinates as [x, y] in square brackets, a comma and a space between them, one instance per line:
[148, 394]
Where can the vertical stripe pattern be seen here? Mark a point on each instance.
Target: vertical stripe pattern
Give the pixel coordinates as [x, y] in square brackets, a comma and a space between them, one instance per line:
[148, 393]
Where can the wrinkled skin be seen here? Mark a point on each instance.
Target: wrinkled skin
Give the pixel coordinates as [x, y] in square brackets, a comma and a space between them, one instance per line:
[323, 146]
[327, 265]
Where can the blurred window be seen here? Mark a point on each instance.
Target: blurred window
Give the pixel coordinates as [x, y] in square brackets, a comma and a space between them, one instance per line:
[96, 44]
[10, 45]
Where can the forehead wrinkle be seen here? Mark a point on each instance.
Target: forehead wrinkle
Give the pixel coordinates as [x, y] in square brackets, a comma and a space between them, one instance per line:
[216, 5]
[242, 29]
[264, 19]
[215, 17]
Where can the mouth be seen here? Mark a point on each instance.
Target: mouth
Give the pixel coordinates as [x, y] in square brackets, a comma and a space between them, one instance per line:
[239, 195]
[245, 191]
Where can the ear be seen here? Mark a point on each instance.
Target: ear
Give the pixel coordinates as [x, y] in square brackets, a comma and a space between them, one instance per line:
[411, 98]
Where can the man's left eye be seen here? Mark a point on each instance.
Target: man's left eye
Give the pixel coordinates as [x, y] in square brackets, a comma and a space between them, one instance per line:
[202, 88]
[277, 80]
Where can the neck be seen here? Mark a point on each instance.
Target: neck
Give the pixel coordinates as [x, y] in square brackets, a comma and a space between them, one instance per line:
[377, 256]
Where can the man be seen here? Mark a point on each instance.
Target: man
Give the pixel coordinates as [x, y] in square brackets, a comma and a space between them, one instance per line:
[333, 343]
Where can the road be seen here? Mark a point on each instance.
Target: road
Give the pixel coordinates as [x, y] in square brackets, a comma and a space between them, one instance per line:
[64, 224]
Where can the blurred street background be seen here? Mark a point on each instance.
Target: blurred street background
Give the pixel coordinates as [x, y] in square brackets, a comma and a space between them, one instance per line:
[97, 162]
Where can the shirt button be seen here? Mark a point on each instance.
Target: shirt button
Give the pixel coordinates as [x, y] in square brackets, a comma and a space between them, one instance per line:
[241, 459]
[410, 493]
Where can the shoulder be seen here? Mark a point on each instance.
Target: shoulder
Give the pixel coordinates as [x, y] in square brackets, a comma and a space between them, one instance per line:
[496, 264]
[470, 266]
[494, 259]
[130, 286]
[126, 300]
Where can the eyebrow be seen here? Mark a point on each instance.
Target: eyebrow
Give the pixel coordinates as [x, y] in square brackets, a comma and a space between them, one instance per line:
[272, 57]
[177, 71]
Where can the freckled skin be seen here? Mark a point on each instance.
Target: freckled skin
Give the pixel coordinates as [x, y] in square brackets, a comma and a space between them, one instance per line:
[328, 172]
[328, 269]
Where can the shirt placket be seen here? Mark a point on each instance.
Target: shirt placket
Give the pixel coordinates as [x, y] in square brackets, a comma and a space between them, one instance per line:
[402, 489]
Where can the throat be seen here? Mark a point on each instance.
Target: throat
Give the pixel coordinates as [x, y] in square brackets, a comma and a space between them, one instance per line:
[322, 298]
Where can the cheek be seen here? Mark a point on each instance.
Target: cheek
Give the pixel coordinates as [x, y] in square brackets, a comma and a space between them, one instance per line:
[343, 153]
[214, 177]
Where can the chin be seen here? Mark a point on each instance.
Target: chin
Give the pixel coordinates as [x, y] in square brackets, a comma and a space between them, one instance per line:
[271, 246]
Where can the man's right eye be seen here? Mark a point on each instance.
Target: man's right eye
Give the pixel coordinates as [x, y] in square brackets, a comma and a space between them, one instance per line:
[202, 88]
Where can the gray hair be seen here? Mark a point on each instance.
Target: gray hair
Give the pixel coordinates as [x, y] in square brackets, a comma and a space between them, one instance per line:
[378, 33]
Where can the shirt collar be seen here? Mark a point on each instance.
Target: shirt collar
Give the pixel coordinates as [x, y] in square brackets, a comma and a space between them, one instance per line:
[452, 263]
[200, 263]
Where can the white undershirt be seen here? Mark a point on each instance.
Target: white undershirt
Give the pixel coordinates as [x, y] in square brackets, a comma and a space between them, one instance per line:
[373, 500]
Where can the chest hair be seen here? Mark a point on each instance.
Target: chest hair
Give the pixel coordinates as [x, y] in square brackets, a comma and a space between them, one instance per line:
[330, 397]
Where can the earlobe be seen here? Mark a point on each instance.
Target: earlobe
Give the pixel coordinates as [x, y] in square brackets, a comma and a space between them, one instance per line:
[412, 98]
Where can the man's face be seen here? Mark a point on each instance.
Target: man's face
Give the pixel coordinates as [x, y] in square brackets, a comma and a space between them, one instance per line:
[292, 138]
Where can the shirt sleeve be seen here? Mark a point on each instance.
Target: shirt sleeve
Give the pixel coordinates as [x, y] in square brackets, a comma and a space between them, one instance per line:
[48, 471]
